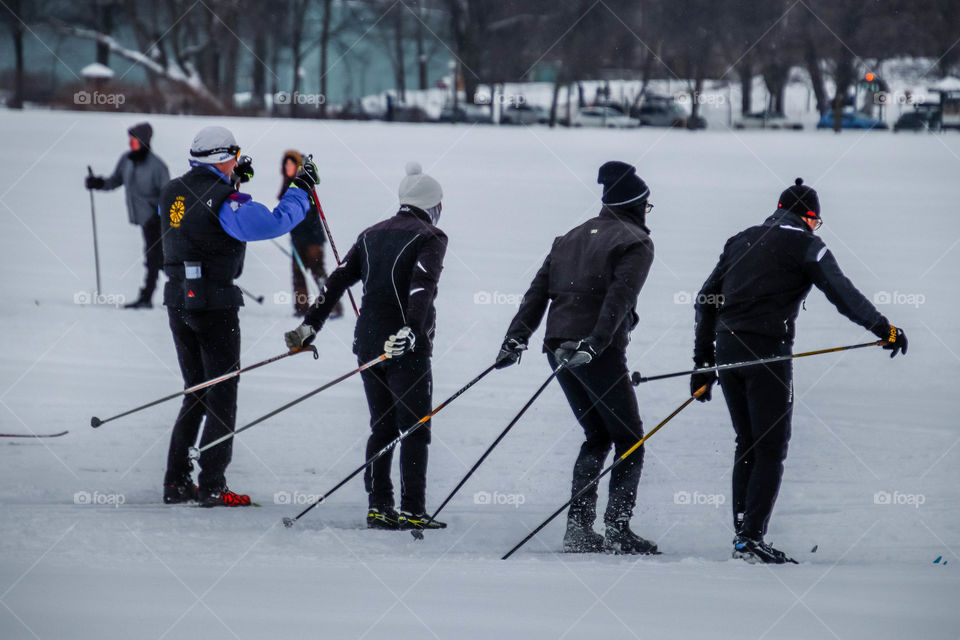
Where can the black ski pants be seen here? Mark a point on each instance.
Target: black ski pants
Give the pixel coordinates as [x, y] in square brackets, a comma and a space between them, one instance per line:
[208, 345]
[152, 256]
[604, 403]
[760, 400]
[399, 393]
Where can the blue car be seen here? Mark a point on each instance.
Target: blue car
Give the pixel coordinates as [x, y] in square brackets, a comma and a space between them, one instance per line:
[851, 120]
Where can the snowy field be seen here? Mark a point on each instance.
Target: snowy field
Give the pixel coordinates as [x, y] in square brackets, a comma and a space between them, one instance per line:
[872, 477]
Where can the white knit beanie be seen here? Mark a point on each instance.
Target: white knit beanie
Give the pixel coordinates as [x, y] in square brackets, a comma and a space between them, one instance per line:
[213, 145]
[418, 189]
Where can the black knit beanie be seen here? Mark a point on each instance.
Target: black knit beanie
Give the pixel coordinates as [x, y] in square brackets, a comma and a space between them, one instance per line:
[800, 199]
[621, 184]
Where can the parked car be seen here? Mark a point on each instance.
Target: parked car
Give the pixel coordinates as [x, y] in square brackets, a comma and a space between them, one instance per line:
[926, 117]
[603, 117]
[406, 113]
[469, 113]
[660, 112]
[851, 120]
[524, 113]
[767, 120]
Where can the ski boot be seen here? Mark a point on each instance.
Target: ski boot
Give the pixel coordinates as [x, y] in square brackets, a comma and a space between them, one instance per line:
[758, 552]
[142, 302]
[183, 490]
[620, 540]
[383, 518]
[410, 520]
[223, 497]
[581, 538]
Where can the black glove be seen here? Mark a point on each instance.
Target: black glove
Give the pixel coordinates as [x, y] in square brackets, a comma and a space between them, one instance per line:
[510, 352]
[308, 177]
[576, 353]
[243, 171]
[698, 380]
[93, 182]
[896, 341]
[400, 343]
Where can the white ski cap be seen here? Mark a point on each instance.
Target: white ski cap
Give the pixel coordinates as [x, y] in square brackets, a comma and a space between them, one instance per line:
[418, 189]
[213, 145]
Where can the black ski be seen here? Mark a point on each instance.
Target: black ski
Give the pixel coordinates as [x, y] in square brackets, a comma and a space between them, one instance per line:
[33, 435]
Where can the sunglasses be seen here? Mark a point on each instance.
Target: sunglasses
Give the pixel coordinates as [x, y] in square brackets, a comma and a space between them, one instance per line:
[648, 208]
[233, 150]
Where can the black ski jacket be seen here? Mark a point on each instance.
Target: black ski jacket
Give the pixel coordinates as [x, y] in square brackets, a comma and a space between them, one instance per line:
[590, 279]
[762, 278]
[399, 261]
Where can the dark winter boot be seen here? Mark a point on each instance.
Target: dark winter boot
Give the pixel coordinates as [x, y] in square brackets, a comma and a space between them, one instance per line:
[419, 521]
[621, 540]
[223, 497]
[758, 552]
[581, 538]
[383, 518]
[142, 302]
[183, 490]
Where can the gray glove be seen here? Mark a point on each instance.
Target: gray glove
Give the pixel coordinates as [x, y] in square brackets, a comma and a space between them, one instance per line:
[302, 336]
[400, 343]
[574, 354]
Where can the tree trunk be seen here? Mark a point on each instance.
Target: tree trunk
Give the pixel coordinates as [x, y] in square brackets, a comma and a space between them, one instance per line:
[400, 66]
[324, 49]
[695, 97]
[745, 70]
[812, 62]
[843, 77]
[553, 102]
[259, 88]
[421, 53]
[17, 31]
[104, 25]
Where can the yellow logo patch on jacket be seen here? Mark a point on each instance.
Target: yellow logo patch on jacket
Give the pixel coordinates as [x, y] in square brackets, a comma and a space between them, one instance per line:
[177, 209]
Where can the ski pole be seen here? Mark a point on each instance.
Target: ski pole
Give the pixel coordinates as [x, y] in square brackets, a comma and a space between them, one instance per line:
[699, 392]
[96, 422]
[295, 256]
[93, 217]
[638, 379]
[333, 245]
[258, 299]
[195, 452]
[417, 533]
[289, 522]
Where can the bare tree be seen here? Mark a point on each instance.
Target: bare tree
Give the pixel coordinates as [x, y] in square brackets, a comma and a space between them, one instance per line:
[14, 18]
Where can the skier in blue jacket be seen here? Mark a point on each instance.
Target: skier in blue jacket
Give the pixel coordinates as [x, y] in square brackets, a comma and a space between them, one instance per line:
[206, 224]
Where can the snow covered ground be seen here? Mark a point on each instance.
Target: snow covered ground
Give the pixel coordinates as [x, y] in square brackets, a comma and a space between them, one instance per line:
[871, 479]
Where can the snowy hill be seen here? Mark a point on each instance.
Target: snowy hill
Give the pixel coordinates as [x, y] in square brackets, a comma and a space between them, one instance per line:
[872, 476]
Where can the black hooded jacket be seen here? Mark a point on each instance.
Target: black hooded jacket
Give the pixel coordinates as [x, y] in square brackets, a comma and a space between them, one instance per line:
[591, 280]
[762, 278]
[399, 262]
